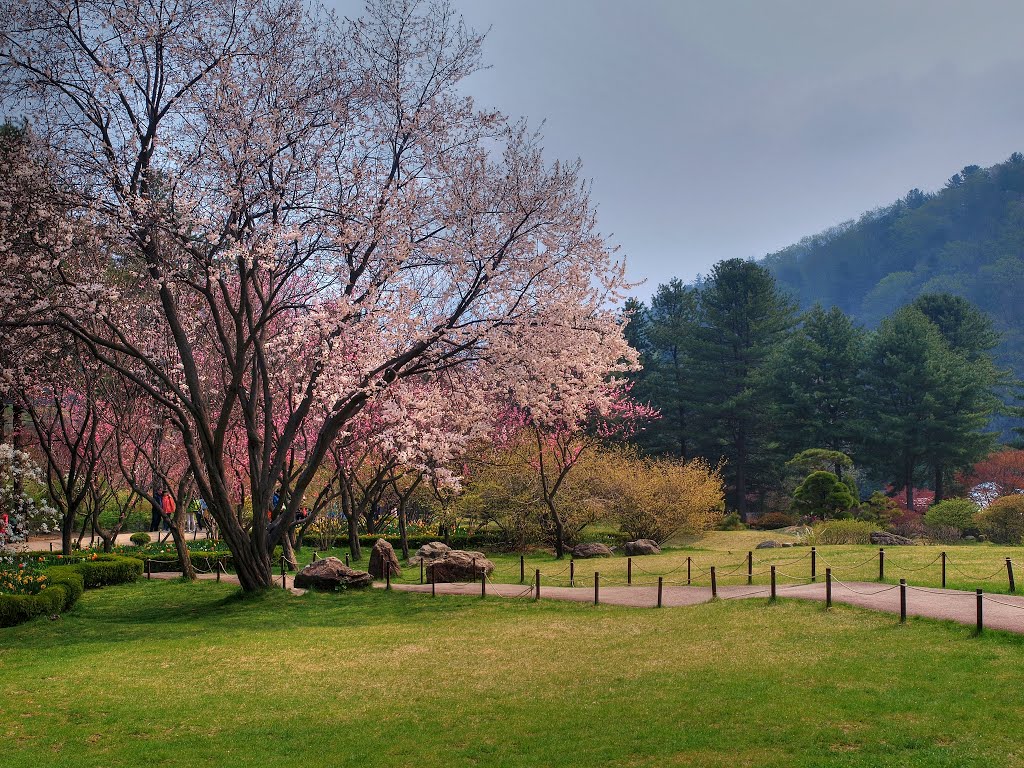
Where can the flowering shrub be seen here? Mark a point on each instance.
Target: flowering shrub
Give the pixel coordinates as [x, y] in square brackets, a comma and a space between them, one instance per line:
[20, 512]
[22, 580]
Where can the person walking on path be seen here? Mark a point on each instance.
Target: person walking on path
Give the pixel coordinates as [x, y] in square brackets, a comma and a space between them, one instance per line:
[167, 506]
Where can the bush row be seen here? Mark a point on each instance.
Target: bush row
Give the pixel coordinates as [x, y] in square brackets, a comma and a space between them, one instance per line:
[65, 584]
[480, 540]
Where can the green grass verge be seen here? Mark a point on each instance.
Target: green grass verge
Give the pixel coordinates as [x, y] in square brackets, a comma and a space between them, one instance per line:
[173, 674]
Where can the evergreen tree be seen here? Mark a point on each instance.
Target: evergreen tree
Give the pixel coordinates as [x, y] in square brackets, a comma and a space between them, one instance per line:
[817, 382]
[744, 318]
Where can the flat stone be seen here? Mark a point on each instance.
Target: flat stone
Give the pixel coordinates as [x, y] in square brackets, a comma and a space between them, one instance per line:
[591, 549]
[769, 545]
[642, 547]
[458, 565]
[890, 539]
[330, 574]
[433, 550]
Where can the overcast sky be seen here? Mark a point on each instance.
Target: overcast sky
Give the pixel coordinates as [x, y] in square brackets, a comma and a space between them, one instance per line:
[721, 128]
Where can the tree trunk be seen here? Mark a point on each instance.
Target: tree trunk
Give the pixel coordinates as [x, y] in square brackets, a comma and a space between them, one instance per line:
[353, 536]
[289, 550]
[66, 532]
[181, 547]
[741, 475]
[402, 530]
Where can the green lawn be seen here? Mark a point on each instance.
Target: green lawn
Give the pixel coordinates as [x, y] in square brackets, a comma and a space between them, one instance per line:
[171, 674]
[969, 566]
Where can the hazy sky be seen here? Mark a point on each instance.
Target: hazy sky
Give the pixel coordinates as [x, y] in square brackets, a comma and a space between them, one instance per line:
[725, 128]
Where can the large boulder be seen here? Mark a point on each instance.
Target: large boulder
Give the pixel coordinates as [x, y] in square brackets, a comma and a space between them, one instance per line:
[885, 539]
[433, 550]
[331, 574]
[382, 557]
[591, 549]
[769, 545]
[458, 565]
[642, 547]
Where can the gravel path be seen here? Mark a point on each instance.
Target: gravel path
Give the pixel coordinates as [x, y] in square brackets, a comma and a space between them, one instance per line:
[1004, 612]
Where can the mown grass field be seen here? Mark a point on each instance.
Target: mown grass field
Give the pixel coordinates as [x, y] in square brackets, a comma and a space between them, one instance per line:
[969, 566]
[172, 674]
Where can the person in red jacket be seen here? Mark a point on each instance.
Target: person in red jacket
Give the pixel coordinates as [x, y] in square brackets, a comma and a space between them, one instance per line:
[168, 507]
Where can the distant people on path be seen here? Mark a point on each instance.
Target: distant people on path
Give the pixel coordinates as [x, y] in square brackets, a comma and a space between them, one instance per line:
[190, 516]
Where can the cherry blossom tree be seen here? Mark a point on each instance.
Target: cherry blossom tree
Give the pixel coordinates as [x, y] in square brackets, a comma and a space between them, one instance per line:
[264, 218]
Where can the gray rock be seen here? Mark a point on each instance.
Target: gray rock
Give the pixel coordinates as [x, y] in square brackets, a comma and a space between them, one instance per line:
[458, 565]
[769, 545]
[591, 549]
[433, 550]
[382, 557]
[886, 539]
[787, 544]
[642, 547]
[331, 574]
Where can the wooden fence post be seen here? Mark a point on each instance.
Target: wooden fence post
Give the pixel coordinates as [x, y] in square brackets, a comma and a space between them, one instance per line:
[714, 584]
[522, 569]
[903, 601]
[629, 571]
[981, 623]
[750, 568]
[687, 570]
[659, 591]
[828, 587]
[597, 579]
[943, 570]
[537, 594]
[773, 583]
[881, 564]
[814, 564]
[1009, 574]
[572, 573]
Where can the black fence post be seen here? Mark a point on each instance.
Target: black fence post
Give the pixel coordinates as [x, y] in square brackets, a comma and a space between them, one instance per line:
[903, 601]
[149, 569]
[828, 587]
[473, 569]
[537, 594]
[687, 570]
[981, 623]
[773, 583]
[483, 583]
[1009, 574]
[572, 573]
[659, 591]
[881, 564]
[714, 584]
[750, 568]
[387, 576]
[522, 569]
[629, 571]
[597, 581]
[943, 570]
[51, 547]
[814, 564]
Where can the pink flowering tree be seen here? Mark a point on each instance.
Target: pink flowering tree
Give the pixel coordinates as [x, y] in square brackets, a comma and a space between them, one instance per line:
[267, 218]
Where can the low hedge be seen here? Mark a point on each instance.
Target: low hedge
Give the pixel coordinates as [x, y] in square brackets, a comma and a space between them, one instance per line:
[65, 584]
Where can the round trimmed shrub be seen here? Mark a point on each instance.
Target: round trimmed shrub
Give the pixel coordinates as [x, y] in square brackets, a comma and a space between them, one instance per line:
[952, 513]
[141, 539]
[1002, 521]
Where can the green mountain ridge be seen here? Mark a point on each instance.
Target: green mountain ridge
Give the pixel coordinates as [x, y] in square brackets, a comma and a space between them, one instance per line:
[966, 239]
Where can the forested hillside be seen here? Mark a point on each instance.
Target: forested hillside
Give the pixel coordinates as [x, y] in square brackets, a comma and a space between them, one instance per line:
[967, 240]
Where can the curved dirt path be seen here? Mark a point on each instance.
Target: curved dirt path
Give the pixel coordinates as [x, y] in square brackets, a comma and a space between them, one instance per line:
[1005, 612]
